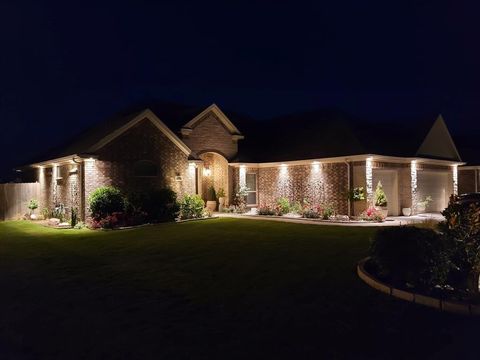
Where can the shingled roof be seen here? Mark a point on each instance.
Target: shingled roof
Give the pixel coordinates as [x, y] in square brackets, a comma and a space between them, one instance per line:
[330, 133]
[309, 135]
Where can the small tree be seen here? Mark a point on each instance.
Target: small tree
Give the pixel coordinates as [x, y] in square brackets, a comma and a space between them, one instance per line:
[380, 197]
[32, 205]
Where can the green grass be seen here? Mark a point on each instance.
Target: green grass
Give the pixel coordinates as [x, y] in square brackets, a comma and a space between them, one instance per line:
[222, 288]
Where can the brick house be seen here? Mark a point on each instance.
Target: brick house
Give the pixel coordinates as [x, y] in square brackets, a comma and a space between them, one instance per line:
[189, 150]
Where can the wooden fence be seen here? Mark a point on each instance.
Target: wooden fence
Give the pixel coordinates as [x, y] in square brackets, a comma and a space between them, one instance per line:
[14, 199]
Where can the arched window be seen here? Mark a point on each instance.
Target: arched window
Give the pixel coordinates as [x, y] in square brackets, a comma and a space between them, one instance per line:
[145, 168]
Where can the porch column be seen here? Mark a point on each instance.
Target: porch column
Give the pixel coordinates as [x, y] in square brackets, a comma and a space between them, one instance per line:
[369, 180]
[242, 180]
[455, 179]
[413, 179]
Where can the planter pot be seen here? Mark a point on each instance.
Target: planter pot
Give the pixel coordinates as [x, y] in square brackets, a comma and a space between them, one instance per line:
[221, 203]
[383, 210]
[421, 209]
[211, 205]
[33, 217]
[406, 211]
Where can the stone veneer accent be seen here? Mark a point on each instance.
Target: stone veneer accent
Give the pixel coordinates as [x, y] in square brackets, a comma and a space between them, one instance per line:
[209, 134]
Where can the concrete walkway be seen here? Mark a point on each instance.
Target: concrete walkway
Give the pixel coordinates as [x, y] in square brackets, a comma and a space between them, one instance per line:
[390, 221]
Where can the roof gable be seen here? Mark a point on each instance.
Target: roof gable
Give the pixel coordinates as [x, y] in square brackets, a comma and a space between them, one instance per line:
[439, 143]
[146, 114]
[224, 120]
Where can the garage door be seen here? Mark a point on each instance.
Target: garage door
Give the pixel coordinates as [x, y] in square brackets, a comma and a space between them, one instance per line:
[436, 185]
[390, 186]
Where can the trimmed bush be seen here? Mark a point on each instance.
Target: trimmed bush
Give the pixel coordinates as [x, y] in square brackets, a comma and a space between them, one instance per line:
[266, 210]
[191, 207]
[106, 200]
[158, 205]
[283, 206]
[411, 256]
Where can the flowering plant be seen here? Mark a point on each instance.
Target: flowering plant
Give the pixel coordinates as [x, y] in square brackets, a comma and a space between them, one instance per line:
[372, 214]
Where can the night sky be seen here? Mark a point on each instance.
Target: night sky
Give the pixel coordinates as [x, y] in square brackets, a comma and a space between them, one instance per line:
[64, 67]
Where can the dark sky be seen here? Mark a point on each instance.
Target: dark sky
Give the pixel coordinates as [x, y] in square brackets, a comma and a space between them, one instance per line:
[65, 65]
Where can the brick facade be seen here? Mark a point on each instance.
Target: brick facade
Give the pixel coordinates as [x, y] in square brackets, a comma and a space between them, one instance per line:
[61, 184]
[209, 134]
[115, 163]
[468, 181]
[318, 184]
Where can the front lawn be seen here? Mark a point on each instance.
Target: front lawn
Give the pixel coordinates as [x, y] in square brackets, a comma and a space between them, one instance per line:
[221, 288]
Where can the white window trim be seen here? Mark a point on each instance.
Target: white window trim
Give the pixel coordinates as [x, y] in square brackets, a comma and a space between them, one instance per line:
[256, 188]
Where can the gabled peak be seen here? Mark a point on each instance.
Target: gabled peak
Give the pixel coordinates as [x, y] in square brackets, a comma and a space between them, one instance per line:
[439, 143]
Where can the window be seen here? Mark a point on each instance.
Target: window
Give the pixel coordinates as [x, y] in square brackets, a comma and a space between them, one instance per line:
[145, 168]
[251, 182]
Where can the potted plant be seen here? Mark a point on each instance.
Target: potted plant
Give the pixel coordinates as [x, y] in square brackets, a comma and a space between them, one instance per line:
[32, 205]
[357, 194]
[211, 199]
[221, 199]
[381, 200]
[423, 204]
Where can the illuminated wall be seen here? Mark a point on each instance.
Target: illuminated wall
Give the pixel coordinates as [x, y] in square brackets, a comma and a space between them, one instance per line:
[413, 179]
[369, 180]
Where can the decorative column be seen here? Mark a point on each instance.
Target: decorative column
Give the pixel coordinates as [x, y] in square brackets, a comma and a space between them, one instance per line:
[413, 179]
[369, 180]
[455, 179]
[242, 176]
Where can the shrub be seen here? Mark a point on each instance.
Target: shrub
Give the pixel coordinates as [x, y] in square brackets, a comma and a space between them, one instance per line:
[156, 205]
[58, 212]
[105, 201]
[266, 210]
[327, 211]
[311, 214]
[372, 214]
[73, 217]
[357, 194]
[220, 193]
[296, 208]
[240, 199]
[410, 255]
[191, 207]
[283, 206]
[211, 195]
[380, 197]
[462, 229]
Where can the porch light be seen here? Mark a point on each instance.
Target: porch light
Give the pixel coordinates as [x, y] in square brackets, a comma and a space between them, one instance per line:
[207, 171]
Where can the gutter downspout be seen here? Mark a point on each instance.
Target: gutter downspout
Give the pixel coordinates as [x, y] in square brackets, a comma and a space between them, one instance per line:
[349, 187]
[477, 174]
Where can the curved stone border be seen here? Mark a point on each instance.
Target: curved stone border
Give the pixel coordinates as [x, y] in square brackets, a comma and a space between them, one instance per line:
[439, 304]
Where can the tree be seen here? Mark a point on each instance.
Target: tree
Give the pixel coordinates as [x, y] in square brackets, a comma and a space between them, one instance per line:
[380, 197]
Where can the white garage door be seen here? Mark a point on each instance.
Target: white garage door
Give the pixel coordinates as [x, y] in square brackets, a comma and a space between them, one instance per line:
[436, 185]
[389, 181]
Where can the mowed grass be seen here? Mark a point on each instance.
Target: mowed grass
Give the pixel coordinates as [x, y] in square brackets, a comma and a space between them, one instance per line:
[221, 288]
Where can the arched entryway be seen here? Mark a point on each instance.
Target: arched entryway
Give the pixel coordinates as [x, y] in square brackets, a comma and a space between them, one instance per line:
[215, 173]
